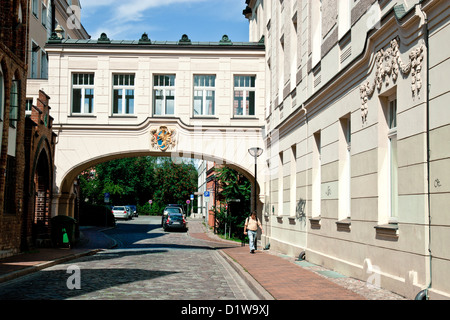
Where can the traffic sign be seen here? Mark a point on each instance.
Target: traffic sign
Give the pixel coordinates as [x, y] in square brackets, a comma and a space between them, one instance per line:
[188, 201]
[192, 197]
[206, 193]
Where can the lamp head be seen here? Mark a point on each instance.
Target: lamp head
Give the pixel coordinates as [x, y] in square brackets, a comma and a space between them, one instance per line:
[255, 152]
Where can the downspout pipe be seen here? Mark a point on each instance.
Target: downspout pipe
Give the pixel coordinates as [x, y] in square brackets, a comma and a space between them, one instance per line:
[423, 295]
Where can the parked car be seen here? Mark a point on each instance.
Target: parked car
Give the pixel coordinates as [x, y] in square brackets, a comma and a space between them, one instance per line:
[176, 206]
[170, 209]
[121, 212]
[133, 210]
[175, 221]
[130, 212]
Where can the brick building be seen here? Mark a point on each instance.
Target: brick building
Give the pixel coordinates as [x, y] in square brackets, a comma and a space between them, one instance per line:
[40, 149]
[13, 75]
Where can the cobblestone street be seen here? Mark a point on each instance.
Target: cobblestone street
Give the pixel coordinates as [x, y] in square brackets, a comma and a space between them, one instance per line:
[148, 264]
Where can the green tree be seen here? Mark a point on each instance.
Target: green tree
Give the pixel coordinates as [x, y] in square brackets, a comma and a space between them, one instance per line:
[137, 180]
[234, 185]
[176, 182]
[236, 191]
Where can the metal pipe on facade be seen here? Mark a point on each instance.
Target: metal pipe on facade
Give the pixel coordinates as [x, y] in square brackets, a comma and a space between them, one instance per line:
[423, 294]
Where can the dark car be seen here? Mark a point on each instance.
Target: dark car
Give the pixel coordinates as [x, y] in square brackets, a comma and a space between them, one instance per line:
[175, 221]
[170, 209]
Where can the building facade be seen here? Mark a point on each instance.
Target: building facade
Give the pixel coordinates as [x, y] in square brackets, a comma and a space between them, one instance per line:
[13, 74]
[357, 96]
[46, 17]
[39, 174]
[117, 98]
[26, 161]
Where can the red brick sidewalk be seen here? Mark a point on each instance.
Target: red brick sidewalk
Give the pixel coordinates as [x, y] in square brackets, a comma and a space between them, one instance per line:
[283, 279]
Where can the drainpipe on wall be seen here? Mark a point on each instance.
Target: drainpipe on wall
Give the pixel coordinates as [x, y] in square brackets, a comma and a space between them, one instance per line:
[423, 295]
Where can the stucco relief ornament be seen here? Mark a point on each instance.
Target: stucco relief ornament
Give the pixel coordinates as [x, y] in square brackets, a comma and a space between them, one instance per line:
[388, 64]
[162, 138]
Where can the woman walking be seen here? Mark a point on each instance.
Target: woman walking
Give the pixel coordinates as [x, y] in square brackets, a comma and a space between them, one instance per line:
[251, 227]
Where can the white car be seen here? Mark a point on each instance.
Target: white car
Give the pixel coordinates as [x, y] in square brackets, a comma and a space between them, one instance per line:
[121, 212]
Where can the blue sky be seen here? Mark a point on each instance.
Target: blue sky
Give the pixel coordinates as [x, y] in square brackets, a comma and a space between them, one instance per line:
[201, 20]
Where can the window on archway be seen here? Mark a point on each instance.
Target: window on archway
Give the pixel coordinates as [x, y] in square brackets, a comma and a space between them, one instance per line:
[82, 93]
[164, 95]
[123, 94]
[244, 96]
[204, 95]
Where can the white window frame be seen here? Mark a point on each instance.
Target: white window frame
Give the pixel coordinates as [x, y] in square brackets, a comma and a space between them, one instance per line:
[44, 65]
[344, 17]
[316, 201]
[35, 7]
[316, 29]
[34, 59]
[126, 83]
[205, 89]
[83, 87]
[393, 158]
[280, 183]
[28, 106]
[167, 89]
[44, 13]
[247, 88]
[345, 168]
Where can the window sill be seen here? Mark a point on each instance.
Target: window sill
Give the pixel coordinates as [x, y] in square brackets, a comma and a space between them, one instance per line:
[82, 116]
[344, 225]
[387, 231]
[123, 116]
[244, 118]
[291, 220]
[205, 117]
[163, 116]
[315, 222]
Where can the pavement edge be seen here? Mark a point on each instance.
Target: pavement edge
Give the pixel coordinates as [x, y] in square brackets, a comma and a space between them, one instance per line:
[38, 267]
[257, 288]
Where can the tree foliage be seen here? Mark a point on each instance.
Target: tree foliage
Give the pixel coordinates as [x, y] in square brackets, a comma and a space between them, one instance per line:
[137, 180]
[233, 185]
[236, 192]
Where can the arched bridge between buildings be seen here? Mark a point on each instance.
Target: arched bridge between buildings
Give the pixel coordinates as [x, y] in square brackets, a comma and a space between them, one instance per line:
[81, 146]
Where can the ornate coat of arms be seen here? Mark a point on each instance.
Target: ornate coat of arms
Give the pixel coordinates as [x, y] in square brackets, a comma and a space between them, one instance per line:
[162, 138]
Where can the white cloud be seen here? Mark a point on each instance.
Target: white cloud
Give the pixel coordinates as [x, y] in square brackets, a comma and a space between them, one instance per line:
[134, 10]
[129, 19]
[122, 17]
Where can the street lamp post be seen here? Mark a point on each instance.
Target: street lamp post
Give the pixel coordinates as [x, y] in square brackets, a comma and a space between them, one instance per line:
[255, 152]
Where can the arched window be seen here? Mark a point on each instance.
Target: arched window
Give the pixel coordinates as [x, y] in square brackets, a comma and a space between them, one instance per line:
[2, 94]
[19, 13]
[14, 102]
[2, 101]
